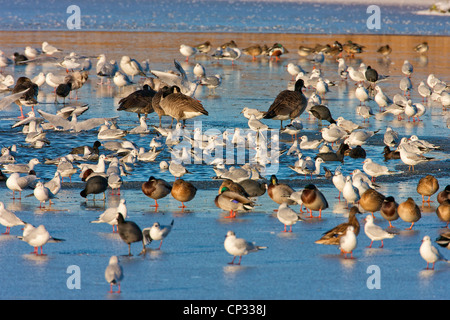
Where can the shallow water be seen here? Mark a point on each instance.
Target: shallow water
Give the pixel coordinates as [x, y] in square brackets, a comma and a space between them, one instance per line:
[192, 263]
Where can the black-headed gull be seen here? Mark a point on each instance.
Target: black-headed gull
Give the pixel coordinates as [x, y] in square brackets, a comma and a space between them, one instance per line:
[374, 169]
[348, 242]
[131, 67]
[239, 246]
[430, 253]
[157, 232]
[287, 216]
[15, 182]
[375, 232]
[114, 273]
[9, 219]
[37, 237]
[110, 215]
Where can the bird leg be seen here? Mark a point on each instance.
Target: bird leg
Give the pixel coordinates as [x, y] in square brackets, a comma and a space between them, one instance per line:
[232, 214]
[410, 228]
[232, 261]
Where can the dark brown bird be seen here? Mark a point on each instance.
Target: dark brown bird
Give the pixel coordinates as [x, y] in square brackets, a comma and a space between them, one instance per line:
[63, 90]
[30, 92]
[254, 188]
[279, 192]
[322, 112]
[234, 187]
[140, 101]
[443, 212]
[332, 236]
[288, 104]
[388, 210]
[390, 154]
[156, 100]
[156, 189]
[94, 185]
[129, 232]
[444, 194]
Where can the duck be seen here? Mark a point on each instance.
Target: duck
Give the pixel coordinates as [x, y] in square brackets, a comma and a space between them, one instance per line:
[371, 200]
[390, 154]
[253, 51]
[277, 50]
[231, 201]
[183, 191]
[332, 156]
[180, 106]
[409, 211]
[254, 188]
[156, 189]
[421, 47]
[332, 236]
[444, 240]
[139, 101]
[234, 187]
[427, 186]
[288, 104]
[204, 47]
[279, 192]
[385, 50]
[443, 212]
[389, 210]
[287, 216]
[314, 200]
[129, 232]
[356, 152]
[444, 194]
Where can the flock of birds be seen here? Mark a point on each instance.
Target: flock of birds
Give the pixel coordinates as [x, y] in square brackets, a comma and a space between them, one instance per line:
[172, 94]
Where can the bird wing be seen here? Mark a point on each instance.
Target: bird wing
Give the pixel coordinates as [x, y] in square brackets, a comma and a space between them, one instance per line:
[8, 100]
[56, 120]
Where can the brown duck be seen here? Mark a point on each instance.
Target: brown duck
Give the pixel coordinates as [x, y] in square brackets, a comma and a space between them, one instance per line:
[388, 210]
[279, 192]
[371, 200]
[443, 212]
[332, 236]
[444, 194]
[409, 211]
[183, 191]
[426, 187]
[156, 189]
[314, 200]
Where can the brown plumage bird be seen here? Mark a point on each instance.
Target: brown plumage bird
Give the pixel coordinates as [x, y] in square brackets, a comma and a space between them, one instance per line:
[388, 210]
[156, 189]
[427, 186]
[409, 211]
[279, 192]
[332, 236]
[253, 51]
[288, 104]
[183, 191]
[29, 96]
[234, 187]
[181, 107]
[314, 200]
[443, 211]
[63, 90]
[371, 200]
[139, 101]
[157, 99]
[444, 194]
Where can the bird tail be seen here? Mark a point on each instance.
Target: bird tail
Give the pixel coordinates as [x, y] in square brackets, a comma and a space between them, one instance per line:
[83, 193]
[261, 247]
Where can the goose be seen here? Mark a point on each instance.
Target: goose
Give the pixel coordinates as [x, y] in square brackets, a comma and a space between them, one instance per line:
[139, 101]
[181, 107]
[288, 104]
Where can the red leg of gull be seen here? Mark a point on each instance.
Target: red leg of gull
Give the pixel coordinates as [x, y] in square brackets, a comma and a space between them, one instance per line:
[232, 261]
[7, 230]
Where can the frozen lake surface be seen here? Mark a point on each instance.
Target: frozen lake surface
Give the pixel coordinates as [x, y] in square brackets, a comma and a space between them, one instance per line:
[192, 263]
